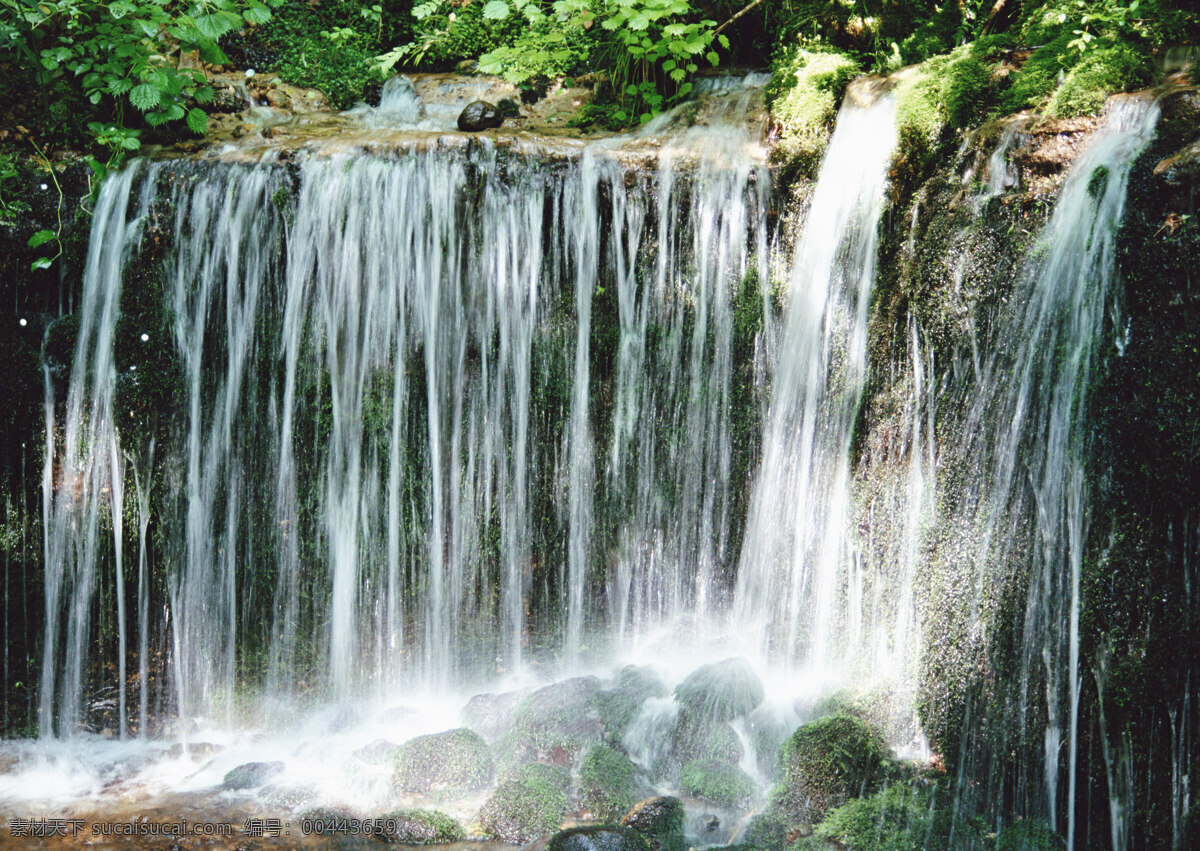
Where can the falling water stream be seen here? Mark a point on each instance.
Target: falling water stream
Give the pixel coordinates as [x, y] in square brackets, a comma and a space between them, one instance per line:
[446, 413]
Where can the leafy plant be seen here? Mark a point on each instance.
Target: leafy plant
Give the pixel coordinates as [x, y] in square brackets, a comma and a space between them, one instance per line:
[116, 50]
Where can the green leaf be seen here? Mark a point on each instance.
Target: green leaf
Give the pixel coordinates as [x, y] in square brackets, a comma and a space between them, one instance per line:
[40, 263]
[144, 97]
[712, 57]
[131, 143]
[257, 14]
[197, 121]
[724, 39]
[495, 10]
[41, 238]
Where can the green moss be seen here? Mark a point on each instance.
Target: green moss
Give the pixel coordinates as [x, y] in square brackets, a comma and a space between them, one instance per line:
[609, 783]
[447, 764]
[1103, 71]
[421, 827]
[1029, 835]
[609, 837]
[825, 763]
[766, 830]
[527, 805]
[561, 715]
[899, 818]
[803, 95]
[717, 783]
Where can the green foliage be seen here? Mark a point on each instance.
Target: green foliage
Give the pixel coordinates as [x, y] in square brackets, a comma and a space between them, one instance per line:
[11, 207]
[117, 51]
[311, 50]
[445, 32]
[720, 784]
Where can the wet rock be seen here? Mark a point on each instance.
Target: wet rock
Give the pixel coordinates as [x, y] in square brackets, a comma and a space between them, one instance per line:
[288, 797]
[719, 784]
[479, 115]
[701, 738]
[448, 764]
[194, 750]
[561, 715]
[825, 763]
[251, 775]
[660, 820]
[767, 728]
[377, 752]
[617, 707]
[721, 691]
[491, 715]
[527, 805]
[599, 838]
[610, 783]
[419, 827]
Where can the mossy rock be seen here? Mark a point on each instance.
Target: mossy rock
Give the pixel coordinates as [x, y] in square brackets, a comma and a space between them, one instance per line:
[825, 763]
[660, 820]
[766, 830]
[290, 797]
[447, 765]
[491, 715]
[768, 728]
[609, 783]
[251, 775]
[527, 805]
[705, 739]
[420, 827]
[561, 715]
[717, 783]
[618, 706]
[600, 837]
[1101, 72]
[721, 691]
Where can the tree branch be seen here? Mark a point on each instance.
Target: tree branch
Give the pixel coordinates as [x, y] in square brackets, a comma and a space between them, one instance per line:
[744, 10]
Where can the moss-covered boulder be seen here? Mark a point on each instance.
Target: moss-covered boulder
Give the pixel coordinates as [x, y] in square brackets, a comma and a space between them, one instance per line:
[491, 715]
[419, 827]
[619, 705]
[251, 775]
[699, 738]
[609, 783]
[825, 763]
[561, 715]
[601, 837]
[766, 830]
[719, 784]
[444, 765]
[721, 691]
[527, 805]
[660, 820]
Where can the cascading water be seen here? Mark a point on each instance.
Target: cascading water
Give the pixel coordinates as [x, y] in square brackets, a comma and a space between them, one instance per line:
[1029, 513]
[405, 437]
[798, 544]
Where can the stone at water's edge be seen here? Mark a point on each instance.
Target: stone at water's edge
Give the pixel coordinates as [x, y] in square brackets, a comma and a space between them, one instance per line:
[479, 115]
[251, 775]
[660, 820]
[450, 764]
[491, 715]
[599, 838]
[528, 805]
[420, 827]
[825, 763]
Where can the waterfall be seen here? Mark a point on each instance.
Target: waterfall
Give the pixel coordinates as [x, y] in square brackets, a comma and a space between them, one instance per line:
[425, 415]
[798, 545]
[1026, 433]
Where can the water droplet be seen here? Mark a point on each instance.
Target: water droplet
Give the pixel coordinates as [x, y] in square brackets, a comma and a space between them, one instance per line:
[24, 321]
[145, 337]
